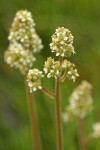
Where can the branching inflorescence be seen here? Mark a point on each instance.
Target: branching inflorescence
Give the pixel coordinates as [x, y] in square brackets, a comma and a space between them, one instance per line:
[24, 43]
[62, 45]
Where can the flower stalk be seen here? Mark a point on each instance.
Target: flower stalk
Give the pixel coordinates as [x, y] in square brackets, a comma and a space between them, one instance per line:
[58, 116]
[33, 119]
[62, 45]
[81, 135]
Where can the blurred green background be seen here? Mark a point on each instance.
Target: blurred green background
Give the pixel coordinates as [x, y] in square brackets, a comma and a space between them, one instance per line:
[83, 19]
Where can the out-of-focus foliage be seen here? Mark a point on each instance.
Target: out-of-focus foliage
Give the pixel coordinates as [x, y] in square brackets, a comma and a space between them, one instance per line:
[83, 19]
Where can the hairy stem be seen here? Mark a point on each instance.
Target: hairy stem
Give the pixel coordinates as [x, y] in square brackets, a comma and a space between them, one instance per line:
[33, 119]
[81, 135]
[51, 94]
[58, 116]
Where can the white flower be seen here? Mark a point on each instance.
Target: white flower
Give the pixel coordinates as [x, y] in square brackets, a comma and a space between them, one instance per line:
[39, 87]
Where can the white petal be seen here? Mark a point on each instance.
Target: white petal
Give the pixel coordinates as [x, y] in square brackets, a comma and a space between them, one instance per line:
[65, 38]
[62, 42]
[49, 75]
[69, 72]
[62, 54]
[45, 70]
[34, 89]
[57, 54]
[40, 87]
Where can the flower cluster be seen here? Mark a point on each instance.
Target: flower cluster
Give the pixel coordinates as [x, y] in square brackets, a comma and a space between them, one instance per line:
[24, 42]
[62, 41]
[55, 69]
[34, 79]
[17, 57]
[96, 130]
[69, 70]
[23, 31]
[81, 102]
[52, 68]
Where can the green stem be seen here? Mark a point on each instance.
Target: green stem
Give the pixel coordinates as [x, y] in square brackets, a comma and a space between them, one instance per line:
[82, 139]
[58, 116]
[33, 119]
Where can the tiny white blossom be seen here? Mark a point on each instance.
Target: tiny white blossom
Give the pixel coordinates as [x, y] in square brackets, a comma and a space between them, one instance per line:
[39, 87]
[34, 88]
